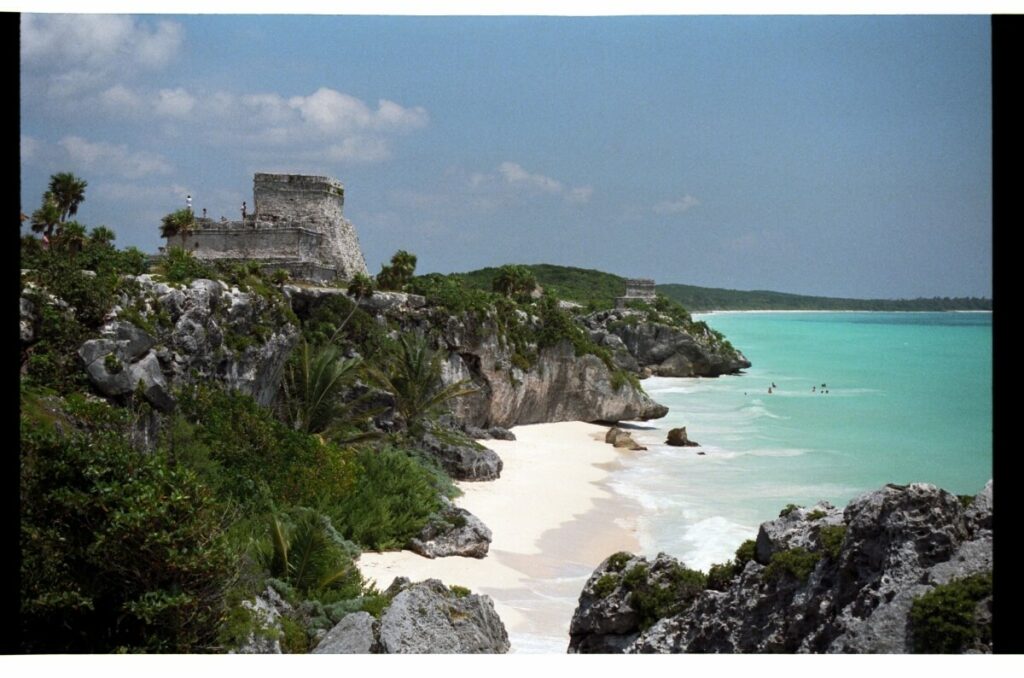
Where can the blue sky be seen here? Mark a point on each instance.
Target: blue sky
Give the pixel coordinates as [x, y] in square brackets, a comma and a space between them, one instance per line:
[845, 156]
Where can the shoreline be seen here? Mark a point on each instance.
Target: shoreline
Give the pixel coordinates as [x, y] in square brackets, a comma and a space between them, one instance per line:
[554, 518]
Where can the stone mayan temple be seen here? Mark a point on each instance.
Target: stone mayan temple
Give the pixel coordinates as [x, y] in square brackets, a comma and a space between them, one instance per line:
[295, 223]
[637, 289]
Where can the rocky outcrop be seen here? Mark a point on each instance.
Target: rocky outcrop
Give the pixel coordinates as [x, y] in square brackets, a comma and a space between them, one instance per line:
[266, 610]
[164, 336]
[677, 437]
[492, 433]
[662, 347]
[560, 386]
[622, 439]
[356, 633]
[822, 580]
[423, 618]
[453, 531]
[461, 457]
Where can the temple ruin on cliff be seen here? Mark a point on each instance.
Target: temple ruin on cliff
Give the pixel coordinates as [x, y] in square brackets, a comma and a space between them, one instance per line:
[296, 224]
[637, 289]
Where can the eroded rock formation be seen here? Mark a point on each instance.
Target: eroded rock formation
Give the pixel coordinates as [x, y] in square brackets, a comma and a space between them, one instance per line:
[822, 580]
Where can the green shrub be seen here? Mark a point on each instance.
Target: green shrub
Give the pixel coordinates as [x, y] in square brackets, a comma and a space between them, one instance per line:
[618, 561]
[375, 603]
[249, 455]
[943, 620]
[653, 601]
[745, 553]
[307, 553]
[514, 281]
[293, 637]
[832, 537]
[391, 500]
[965, 500]
[180, 266]
[720, 575]
[789, 509]
[605, 585]
[459, 591]
[796, 562]
[816, 514]
[119, 550]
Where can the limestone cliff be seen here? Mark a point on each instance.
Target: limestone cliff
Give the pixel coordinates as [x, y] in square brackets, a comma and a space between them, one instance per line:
[558, 386]
[821, 580]
[648, 342]
[165, 335]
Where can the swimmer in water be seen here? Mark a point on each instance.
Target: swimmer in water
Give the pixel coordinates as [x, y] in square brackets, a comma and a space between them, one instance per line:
[769, 390]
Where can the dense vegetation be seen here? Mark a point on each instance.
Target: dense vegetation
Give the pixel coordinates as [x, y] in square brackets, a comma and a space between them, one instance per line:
[144, 530]
[700, 299]
[944, 620]
[596, 289]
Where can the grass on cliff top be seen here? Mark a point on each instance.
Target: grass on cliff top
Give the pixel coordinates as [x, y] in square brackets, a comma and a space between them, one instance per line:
[582, 285]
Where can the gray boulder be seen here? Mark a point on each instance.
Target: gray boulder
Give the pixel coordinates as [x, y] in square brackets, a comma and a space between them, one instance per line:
[121, 362]
[428, 618]
[677, 437]
[266, 610]
[356, 633]
[622, 439]
[453, 532]
[422, 618]
[461, 457]
[790, 529]
[27, 326]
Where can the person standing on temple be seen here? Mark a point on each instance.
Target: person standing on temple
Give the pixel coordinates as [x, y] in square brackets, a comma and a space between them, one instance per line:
[188, 203]
[243, 210]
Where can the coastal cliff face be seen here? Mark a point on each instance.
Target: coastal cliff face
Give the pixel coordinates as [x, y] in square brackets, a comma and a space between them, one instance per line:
[558, 385]
[821, 580]
[651, 343]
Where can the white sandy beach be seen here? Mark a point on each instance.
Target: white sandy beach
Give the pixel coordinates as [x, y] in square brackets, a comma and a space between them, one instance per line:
[553, 521]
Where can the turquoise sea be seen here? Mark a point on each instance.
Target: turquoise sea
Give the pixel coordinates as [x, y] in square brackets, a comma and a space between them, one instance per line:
[909, 399]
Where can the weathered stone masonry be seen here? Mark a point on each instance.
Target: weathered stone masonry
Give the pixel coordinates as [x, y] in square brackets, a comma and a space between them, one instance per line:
[637, 289]
[296, 224]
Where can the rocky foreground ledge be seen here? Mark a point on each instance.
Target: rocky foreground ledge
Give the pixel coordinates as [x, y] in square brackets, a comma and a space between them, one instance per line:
[902, 569]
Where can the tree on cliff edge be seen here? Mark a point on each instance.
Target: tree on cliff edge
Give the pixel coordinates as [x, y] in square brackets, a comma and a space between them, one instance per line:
[399, 273]
[68, 192]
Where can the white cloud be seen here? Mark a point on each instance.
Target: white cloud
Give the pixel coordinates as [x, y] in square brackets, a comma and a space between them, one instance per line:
[175, 103]
[676, 206]
[104, 158]
[514, 175]
[334, 112]
[93, 43]
[121, 99]
[359, 149]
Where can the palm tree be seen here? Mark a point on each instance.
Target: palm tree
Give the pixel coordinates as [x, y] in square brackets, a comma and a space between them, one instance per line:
[308, 556]
[515, 281]
[413, 375]
[101, 235]
[68, 191]
[360, 287]
[316, 379]
[395, 276]
[180, 222]
[72, 236]
[47, 216]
